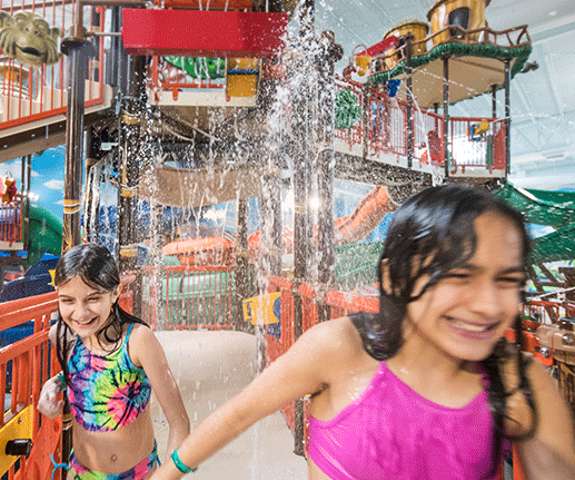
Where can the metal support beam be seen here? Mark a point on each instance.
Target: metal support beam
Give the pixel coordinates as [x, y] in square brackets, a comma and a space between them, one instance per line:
[410, 102]
[507, 117]
[130, 138]
[446, 116]
[301, 163]
[78, 50]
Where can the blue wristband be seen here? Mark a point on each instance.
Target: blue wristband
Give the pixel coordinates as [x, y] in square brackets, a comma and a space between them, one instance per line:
[180, 465]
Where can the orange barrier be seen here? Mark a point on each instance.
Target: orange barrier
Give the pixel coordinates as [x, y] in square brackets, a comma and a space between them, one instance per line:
[31, 361]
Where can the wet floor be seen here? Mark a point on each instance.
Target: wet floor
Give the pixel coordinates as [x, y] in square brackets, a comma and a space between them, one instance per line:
[211, 367]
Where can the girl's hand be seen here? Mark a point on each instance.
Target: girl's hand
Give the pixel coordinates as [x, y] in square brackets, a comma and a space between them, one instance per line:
[49, 405]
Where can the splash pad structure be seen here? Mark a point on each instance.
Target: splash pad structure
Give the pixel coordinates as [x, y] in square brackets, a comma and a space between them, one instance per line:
[206, 123]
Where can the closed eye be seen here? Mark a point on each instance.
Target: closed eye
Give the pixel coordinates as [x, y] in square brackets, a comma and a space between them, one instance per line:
[457, 275]
[515, 281]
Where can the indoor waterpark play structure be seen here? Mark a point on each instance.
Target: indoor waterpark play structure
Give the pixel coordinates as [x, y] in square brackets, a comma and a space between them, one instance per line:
[221, 145]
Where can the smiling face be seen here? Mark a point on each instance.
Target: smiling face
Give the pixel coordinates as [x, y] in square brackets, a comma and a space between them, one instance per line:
[466, 312]
[83, 308]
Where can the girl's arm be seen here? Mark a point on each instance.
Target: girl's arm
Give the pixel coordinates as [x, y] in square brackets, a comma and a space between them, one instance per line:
[550, 454]
[302, 370]
[145, 350]
[50, 402]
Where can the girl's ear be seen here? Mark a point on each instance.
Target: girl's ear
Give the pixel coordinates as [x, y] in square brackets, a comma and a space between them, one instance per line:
[385, 277]
[116, 293]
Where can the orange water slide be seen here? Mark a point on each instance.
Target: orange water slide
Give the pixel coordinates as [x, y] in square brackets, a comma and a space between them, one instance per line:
[348, 229]
[365, 218]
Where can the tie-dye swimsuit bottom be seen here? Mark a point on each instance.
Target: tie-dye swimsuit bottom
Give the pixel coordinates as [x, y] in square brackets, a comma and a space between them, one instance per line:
[139, 472]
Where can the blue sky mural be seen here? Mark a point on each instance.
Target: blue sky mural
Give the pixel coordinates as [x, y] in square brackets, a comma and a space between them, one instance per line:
[47, 184]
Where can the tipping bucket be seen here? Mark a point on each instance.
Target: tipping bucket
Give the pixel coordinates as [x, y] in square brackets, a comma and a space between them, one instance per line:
[467, 14]
[418, 31]
[242, 77]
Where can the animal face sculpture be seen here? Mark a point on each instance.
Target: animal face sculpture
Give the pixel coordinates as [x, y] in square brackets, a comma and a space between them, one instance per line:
[28, 38]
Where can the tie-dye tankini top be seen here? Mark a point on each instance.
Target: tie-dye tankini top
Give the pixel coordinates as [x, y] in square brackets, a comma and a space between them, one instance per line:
[106, 392]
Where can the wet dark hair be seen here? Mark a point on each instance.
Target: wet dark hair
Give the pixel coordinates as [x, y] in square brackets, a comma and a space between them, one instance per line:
[432, 233]
[98, 269]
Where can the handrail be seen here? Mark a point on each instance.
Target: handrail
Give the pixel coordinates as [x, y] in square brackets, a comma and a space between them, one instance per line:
[488, 31]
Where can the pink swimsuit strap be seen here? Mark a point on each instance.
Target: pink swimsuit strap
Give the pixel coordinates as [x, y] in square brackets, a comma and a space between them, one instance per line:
[392, 432]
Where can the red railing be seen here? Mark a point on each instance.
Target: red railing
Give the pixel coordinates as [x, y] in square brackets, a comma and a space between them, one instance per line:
[547, 311]
[11, 223]
[473, 142]
[25, 364]
[33, 93]
[477, 142]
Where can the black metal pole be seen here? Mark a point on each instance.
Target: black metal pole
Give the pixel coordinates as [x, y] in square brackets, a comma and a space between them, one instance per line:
[78, 50]
[24, 160]
[446, 159]
[301, 212]
[242, 276]
[494, 102]
[507, 117]
[410, 103]
[132, 108]
[331, 53]
[77, 67]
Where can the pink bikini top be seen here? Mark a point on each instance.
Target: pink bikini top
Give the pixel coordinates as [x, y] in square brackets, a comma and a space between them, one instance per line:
[392, 432]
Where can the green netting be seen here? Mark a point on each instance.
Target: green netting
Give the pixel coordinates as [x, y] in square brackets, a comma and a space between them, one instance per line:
[554, 209]
[564, 199]
[202, 68]
[555, 247]
[541, 207]
[347, 109]
[520, 54]
[356, 264]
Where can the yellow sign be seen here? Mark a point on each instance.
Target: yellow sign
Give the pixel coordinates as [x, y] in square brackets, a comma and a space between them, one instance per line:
[263, 309]
[52, 276]
[18, 427]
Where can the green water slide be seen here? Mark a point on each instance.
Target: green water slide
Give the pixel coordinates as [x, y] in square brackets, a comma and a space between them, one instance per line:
[45, 234]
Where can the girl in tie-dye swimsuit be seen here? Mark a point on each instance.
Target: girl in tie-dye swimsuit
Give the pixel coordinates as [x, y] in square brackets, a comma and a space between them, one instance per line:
[110, 363]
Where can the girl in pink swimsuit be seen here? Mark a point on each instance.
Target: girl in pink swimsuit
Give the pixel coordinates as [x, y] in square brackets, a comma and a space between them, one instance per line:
[428, 388]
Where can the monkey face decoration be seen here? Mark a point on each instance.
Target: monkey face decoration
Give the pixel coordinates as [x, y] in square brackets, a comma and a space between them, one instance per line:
[28, 38]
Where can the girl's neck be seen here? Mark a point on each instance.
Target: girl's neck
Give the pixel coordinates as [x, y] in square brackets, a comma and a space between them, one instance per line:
[418, 358]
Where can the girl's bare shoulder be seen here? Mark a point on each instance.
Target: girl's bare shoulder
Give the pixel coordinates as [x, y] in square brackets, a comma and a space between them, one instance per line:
[337, 340]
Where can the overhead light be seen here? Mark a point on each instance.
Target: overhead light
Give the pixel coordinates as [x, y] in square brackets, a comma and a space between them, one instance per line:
[552, 13]
[555, 156]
